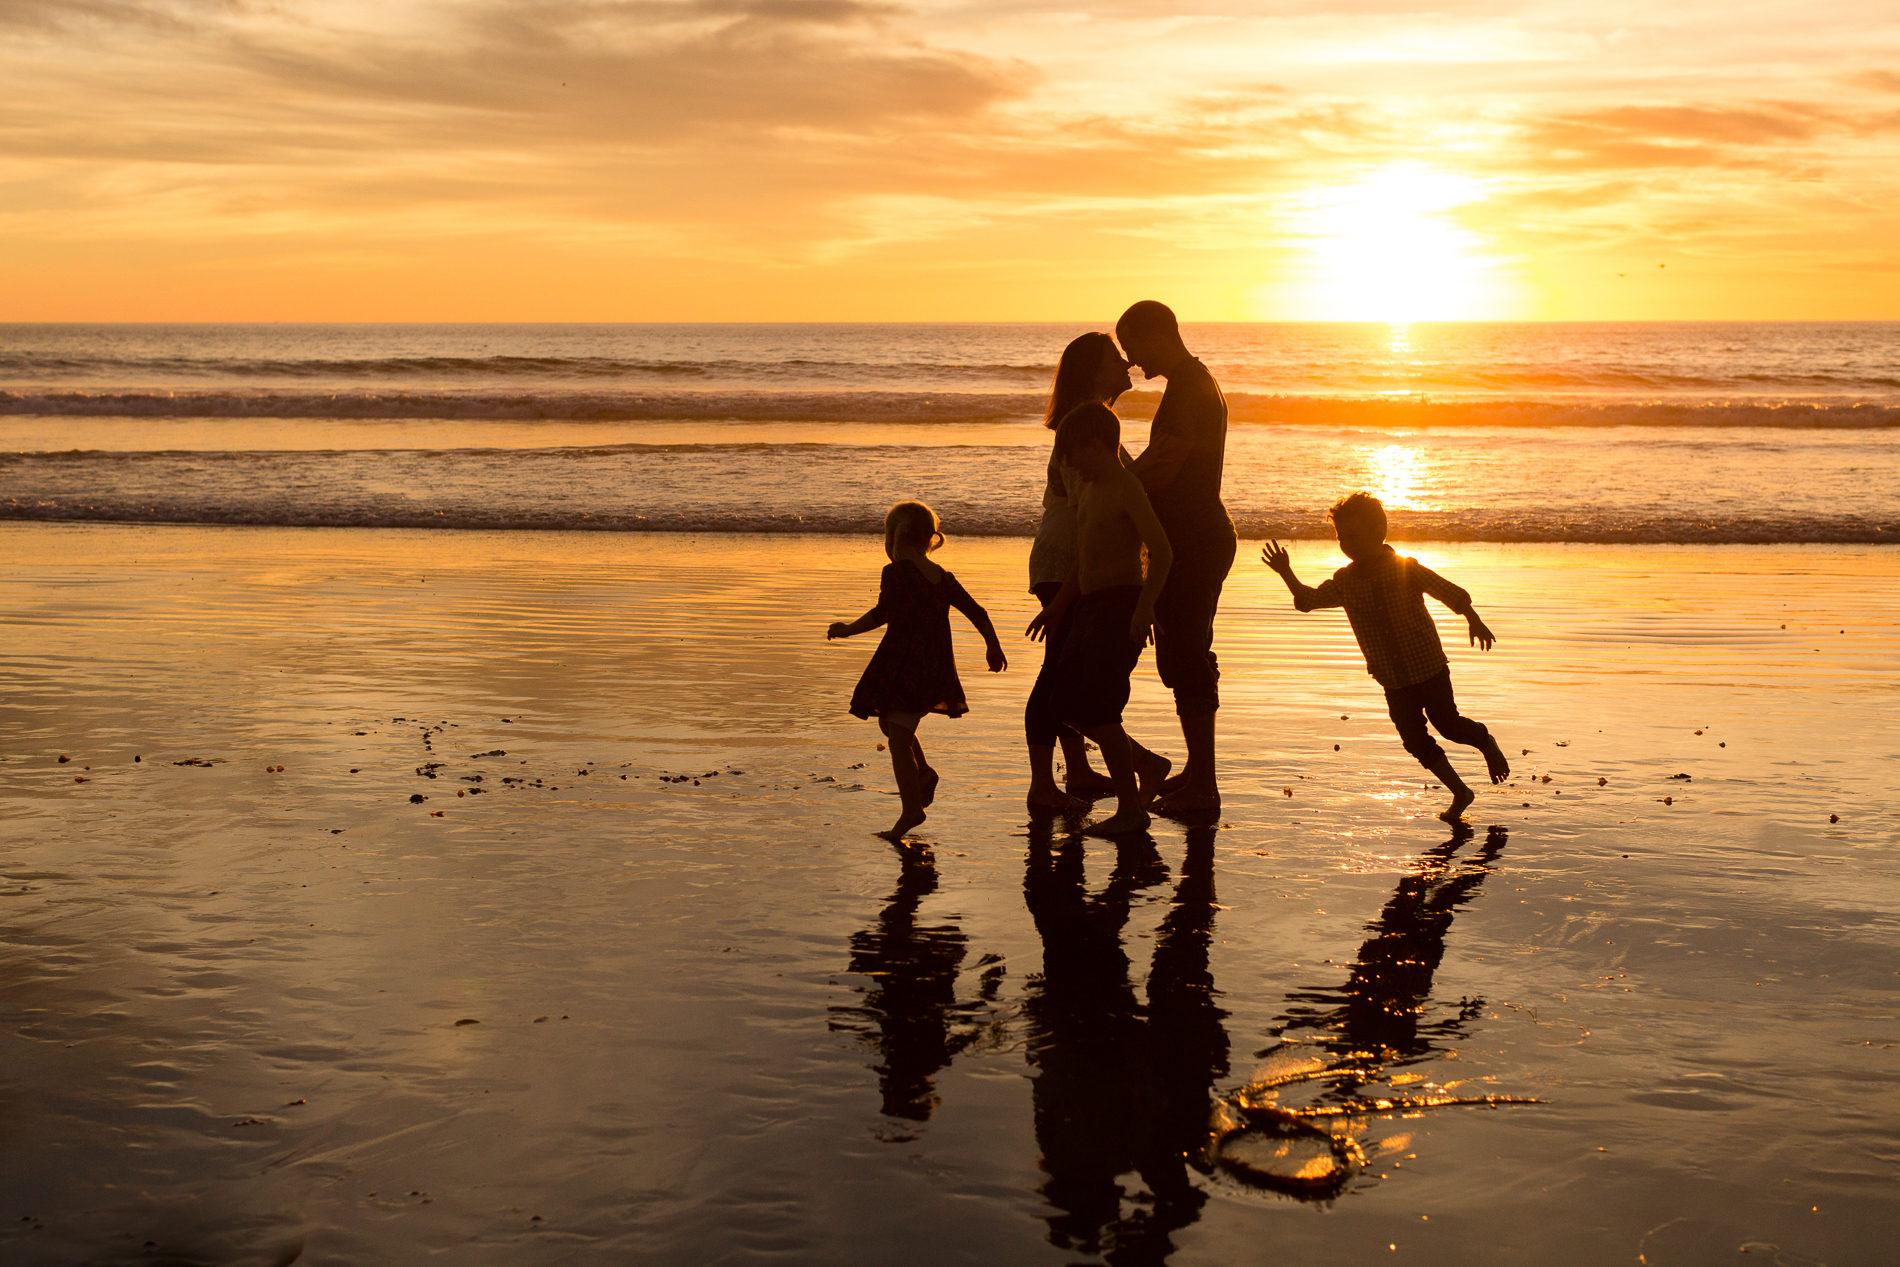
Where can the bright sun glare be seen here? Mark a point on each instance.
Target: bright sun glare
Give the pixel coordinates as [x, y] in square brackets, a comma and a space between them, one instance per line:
[1383, 249]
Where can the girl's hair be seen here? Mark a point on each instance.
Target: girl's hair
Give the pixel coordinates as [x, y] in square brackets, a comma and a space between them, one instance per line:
[911, 523]
[1075, 374]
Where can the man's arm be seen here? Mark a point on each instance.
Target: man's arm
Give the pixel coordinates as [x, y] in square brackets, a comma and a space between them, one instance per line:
[1132, 500]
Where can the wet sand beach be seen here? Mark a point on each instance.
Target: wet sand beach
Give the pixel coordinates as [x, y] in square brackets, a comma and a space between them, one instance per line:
[636, 982]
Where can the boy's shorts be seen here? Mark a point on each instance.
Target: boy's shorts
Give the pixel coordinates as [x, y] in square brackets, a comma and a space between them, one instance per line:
[1092, 676]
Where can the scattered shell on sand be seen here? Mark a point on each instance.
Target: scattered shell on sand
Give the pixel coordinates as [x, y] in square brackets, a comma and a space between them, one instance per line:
[1287, 790]
[1601, 781]
[468, 1020]
[1833, 818]
[63, 758]
[435, 813]
[80, 778]
[417, 798]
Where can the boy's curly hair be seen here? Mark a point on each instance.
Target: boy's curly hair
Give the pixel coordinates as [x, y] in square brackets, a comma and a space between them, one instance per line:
[1361, 509]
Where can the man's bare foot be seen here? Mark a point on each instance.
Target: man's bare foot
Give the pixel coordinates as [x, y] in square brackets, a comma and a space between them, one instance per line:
[1460, 802]
[1494, 761]
[1053, 797]
[906, 821]
[1086, 782]
[1124, 823]
[1174, 782]
[927, 781]
[1188, 802]
[1152, 770]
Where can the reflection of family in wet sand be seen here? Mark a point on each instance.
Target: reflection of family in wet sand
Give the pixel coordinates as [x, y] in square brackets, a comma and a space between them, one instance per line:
[1126, 1079]
[1134, 550]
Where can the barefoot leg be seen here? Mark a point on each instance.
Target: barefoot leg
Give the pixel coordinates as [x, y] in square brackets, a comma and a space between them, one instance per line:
[901, 730]
[926, 774]
[1494, 761]
[1461, 794]
[1077, 775]
[1118, 755]
[1044, 791]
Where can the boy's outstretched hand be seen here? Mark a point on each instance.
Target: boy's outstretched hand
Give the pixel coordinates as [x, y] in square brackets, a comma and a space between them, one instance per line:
[998, 661]
[837, 629]
[1481, 635]
[1274, 555]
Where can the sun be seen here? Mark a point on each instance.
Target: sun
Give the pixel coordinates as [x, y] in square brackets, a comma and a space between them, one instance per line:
[1382, 248]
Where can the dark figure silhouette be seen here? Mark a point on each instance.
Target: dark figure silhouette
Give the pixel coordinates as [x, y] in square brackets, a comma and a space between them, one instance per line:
[911, 1014]
[1383, 593]
[1381, 1007]
[1121, 1085]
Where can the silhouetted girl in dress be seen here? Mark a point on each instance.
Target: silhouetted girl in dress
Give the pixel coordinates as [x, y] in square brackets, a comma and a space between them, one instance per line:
[914, 670]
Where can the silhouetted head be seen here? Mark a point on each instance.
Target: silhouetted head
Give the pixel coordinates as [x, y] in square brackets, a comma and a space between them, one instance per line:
[1090, 439]
[1151, 337]
[911, 525]
[1360, 522]
[1090, 369]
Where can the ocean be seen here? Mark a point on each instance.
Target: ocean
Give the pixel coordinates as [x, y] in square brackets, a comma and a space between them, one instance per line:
[1505, 432]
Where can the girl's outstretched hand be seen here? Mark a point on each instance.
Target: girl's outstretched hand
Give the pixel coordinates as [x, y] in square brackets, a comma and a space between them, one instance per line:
[1274, 555]
[1481, 635]
[837, 629]
[998, 661]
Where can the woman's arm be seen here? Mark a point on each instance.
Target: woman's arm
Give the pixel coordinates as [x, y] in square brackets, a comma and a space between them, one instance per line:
[1134, 501]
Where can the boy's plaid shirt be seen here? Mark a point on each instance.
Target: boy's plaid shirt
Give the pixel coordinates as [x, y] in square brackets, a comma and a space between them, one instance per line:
[1384, 600]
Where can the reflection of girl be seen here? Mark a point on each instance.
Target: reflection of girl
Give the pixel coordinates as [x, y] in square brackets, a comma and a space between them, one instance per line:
[914, 670]
[1090, 370]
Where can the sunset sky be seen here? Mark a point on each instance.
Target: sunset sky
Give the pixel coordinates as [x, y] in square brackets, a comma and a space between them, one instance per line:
[844, 160]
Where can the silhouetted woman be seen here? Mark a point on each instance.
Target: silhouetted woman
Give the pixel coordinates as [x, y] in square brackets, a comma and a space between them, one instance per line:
[1091, 370]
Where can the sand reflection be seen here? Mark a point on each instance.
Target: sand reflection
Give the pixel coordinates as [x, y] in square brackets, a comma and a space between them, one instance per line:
[1121, 1085]
[910, 1014]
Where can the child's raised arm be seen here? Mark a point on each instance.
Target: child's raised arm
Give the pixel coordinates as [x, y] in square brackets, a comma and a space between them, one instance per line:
[973, 610]
[1275, 556]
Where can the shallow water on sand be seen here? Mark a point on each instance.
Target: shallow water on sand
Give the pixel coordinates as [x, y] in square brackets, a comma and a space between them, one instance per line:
[234, 996]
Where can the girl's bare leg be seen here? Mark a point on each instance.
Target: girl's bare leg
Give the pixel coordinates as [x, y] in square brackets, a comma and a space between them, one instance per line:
[926, 774]
[1118, 754]
[901, 730]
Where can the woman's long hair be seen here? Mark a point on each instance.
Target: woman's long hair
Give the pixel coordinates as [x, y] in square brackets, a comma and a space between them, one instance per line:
[1075, 375]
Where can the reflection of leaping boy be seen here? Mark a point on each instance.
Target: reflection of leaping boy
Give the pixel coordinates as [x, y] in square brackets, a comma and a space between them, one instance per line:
[1114, 602]
[1383, 594]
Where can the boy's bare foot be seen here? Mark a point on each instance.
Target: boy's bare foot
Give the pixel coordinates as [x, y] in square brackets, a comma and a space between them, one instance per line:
[1152, 770]
[1494, 761]
[1173, 782]
[1124, 823]
[1460, 802]
[906, 821]
[927, 781]
[1188, 802]
[1053, 797]
[1089, 783]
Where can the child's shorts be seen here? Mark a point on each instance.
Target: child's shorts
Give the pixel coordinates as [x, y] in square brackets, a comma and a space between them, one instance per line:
[1092, 676]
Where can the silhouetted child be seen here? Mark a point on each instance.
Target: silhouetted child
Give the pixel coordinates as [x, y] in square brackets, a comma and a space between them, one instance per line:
[914, 670]
[1109, 600]
[1383, 593]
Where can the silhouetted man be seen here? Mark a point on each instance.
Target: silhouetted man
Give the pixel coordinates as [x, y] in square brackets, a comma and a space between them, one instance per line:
[1181, 470]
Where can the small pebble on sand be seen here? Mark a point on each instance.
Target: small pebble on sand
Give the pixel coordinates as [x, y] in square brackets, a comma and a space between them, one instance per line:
[63, 758]
[1833, 818]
